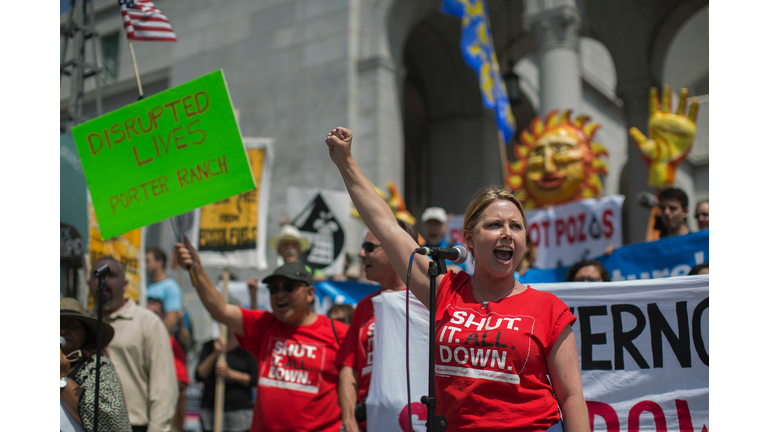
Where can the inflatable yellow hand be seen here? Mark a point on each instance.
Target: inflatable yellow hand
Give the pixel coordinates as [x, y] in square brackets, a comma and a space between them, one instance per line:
[670, 136]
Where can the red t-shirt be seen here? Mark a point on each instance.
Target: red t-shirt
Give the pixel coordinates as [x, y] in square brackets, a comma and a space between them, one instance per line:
[298, 372]
[357, 350]
[179, 361]
[490, 364]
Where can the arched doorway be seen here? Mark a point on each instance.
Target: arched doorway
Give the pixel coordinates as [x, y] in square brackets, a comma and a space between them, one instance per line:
[451, 144]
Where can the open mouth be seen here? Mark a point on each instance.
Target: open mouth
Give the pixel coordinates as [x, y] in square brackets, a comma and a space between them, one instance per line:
[551, 181]
[503, 254]
[282, 305]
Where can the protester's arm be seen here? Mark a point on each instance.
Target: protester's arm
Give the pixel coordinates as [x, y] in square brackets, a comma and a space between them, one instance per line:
[348, 398]
[171, 319]
[227, 314]
[377, 215]
[70, 395]
[208, 359]
[242, 378]
[163, 391]
[253, 291]
[172, 304]
[563, 366]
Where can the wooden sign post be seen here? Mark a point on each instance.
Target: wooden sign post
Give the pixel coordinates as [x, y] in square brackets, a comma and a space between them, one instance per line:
[218, 403]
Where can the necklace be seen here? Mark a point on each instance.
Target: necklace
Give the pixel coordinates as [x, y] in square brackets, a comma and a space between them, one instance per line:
[484, 304]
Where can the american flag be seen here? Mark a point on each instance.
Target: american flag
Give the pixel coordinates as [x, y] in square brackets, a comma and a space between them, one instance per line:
[144, 22]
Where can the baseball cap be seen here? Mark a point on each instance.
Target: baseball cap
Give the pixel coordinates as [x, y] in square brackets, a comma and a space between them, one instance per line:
[436, 213]
[295, 271]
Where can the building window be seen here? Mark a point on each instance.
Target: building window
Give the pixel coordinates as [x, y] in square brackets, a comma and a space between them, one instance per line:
[109, 45]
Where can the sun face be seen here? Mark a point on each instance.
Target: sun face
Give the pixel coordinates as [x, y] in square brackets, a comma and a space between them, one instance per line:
[557, 161]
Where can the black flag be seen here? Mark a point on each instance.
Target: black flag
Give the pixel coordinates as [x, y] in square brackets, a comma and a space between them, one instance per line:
[318, 224]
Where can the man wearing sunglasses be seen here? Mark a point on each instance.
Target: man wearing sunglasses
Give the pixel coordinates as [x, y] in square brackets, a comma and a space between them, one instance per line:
[356, 355]
[296, 347]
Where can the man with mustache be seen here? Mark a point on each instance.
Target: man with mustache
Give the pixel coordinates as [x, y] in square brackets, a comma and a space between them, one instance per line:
[296, 348]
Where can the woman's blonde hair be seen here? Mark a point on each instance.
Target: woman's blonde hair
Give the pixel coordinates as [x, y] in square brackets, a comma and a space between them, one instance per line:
[483, 198]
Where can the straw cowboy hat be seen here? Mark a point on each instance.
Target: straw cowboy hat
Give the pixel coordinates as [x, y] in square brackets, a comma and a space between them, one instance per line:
[71, 308]
[292, 233]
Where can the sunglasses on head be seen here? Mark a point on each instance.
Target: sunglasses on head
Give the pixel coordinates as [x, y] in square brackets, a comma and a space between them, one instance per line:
[369, 247]
[288, 287]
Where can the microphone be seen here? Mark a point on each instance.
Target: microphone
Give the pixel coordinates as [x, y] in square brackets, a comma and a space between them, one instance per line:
[62, 341]
[457, 254]
[101, 271]
[647, 200]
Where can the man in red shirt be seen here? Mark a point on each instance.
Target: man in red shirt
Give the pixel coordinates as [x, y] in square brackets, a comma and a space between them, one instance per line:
[356, 355]
[296, 348]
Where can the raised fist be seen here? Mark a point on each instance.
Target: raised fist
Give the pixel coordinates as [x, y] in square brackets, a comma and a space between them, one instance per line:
[186, 255]
[339, 142]
[253, 284]
[670, 136]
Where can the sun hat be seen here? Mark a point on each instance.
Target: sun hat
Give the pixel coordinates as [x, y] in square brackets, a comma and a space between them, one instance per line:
[292, 233]
[71, 308]
[434, 213]
[295, 271]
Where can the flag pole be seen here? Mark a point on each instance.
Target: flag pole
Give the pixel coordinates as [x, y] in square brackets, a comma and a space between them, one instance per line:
[136, 70]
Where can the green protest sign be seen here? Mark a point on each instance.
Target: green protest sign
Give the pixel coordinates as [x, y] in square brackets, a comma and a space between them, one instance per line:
[163, 155]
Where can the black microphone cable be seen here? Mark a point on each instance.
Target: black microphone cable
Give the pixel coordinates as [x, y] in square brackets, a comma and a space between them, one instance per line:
[407, 344]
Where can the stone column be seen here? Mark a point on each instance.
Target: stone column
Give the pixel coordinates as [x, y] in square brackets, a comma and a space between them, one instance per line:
[556, 25]
[634, 93]
[378, 143]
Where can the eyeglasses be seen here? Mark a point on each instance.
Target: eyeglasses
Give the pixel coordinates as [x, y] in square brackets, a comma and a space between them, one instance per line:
[369, 247]
[587, 279]
[701, 214]
[288, 287]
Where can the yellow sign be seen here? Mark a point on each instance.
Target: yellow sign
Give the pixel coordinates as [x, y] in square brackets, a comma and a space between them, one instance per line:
[557, 161]
[232, 224]
[126, 248]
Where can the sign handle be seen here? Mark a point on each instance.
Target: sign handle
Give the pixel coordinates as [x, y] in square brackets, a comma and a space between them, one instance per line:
[218, 404]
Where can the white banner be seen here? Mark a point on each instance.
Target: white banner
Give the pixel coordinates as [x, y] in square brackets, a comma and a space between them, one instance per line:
[643, 352]
[387, 402]
[571, 232]
[322, 217]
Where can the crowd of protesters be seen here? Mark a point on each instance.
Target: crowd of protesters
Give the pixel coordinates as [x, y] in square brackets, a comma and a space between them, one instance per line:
[143, 365]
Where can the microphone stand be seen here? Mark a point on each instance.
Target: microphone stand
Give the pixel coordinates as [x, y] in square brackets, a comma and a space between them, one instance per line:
[435, 423]
[101, 274]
